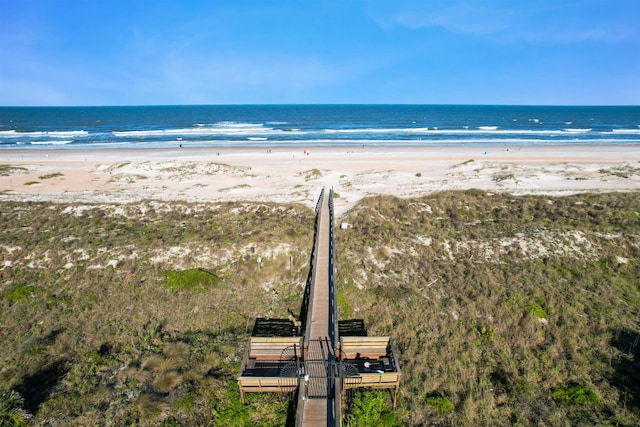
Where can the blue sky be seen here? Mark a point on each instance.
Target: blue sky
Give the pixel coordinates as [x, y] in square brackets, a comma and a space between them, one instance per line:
[135, 52]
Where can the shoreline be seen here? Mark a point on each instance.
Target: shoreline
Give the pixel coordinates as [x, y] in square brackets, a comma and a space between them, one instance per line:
[11, 152]
[296, 174]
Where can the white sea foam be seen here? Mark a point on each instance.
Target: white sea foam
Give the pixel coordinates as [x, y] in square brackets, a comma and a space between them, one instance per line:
[55, 134]
[199, 129]
[572, 130]
[435, 130]
[495, 130]
[624, 131]
[378, 130]
[238, 125]
[54, 142]
[189, 131]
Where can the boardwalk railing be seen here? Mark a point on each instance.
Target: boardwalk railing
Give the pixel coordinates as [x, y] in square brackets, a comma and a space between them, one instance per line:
[306, 298]
[333, 320]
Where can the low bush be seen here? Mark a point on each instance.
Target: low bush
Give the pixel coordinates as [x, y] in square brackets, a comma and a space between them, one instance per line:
[537, 311]
[440, 403]
[370, 408]
[12, 413]
[18, 292]
[195, 278]
[579, 394]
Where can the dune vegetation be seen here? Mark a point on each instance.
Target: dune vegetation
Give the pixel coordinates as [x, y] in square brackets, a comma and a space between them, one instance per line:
[505, 310]
[138, 314]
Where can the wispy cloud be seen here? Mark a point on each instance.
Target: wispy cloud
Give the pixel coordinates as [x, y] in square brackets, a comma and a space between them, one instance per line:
[291, 51]
[195, 78]
[538, 21]
[454, 17]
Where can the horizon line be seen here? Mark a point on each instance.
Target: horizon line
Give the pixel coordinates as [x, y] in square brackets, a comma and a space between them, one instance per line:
[355, 104]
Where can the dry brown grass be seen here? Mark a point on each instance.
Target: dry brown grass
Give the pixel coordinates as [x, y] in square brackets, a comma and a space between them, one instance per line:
[92, 334]
[86, 310]
[454, 276]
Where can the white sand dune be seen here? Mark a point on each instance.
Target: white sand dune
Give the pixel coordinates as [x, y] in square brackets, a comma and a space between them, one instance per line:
[289, 175]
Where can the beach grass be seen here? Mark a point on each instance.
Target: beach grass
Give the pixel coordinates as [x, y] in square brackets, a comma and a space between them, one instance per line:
[504, 309]
[8, 170]
[516, 310]
[138, 314]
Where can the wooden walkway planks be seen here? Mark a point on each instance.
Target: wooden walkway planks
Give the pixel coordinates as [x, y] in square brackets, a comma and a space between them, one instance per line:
[315, 413]
[320, 287]
[316, 410]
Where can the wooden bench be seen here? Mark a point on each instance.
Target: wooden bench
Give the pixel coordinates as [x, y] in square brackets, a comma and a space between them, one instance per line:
[274, 348]
[363, 347]
[378, 348]
[266, 385]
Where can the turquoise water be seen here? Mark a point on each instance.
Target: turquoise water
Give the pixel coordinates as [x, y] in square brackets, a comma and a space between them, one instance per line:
[305, 125]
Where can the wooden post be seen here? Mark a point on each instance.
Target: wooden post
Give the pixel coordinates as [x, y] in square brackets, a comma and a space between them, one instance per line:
[395, 397]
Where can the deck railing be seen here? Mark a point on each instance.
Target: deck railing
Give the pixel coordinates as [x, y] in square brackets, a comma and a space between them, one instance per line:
[271, 364]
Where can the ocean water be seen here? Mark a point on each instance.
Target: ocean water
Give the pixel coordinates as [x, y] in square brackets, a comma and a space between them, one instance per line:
[306, 125]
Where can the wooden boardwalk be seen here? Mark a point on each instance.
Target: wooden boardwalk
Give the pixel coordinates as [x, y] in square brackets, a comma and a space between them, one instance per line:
[322, 365]
[316, 410]
[318, 323]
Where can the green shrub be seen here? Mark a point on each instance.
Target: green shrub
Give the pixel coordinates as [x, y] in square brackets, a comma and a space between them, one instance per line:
[368, 409]
[537, 311]
[344, 305]
[580, 394]
[441, 403]
[191, 278]
[11, 412]
[19, 292]
[486, 336]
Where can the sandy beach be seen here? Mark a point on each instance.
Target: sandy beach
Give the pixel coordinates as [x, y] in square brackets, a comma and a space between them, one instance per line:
[291, 174]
